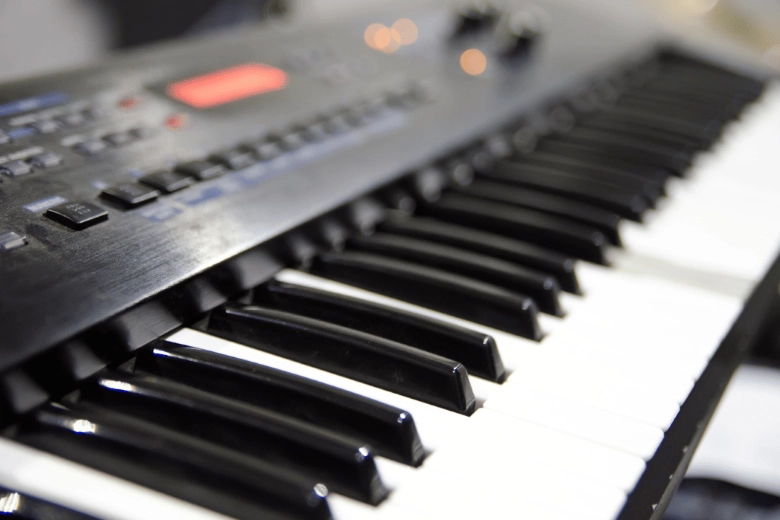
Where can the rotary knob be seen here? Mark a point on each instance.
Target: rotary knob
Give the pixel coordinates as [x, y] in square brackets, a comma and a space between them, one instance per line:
[519, 34]
[474, 19]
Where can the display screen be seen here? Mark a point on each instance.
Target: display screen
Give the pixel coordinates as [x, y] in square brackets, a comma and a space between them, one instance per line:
[227, 85]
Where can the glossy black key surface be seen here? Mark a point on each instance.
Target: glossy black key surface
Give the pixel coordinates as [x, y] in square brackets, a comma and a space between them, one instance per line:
[370, 359]
[176, 464]
[542, 287]
[21, 506]
[649, 133]
[648, 180]
[341, 463]
[129, 194]
[477, 351]
[167, 182]
[201, 170]
[433, 288]
[389, 430]
[606, 221]
[522, 253]
[625, 202]
[234, 159]
[566, 236]
[77, 214]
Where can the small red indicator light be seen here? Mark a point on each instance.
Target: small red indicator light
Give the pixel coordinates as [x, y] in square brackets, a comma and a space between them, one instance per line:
[128, 102]
[226, 85]
[176, 121]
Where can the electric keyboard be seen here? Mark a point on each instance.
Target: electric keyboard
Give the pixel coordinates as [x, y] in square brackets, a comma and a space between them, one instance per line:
[496, 260]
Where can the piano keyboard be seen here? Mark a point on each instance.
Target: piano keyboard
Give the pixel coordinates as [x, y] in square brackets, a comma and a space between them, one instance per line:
[516, 332]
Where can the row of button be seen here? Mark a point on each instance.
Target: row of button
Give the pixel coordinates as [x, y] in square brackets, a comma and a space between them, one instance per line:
[114, 139]
[48, 126]
[151, 186]
[23, 167]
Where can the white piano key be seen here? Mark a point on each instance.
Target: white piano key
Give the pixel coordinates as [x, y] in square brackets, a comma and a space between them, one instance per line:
[519, 352]
[496, 441]
[83, 489]
[612, 397]
[577, 419]
[434, 424]
[344, 508]
[532, 491]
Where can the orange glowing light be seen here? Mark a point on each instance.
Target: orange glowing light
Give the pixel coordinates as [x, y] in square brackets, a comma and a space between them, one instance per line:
[406, 29]
[473, 62]
[226, 85]
[370, 34]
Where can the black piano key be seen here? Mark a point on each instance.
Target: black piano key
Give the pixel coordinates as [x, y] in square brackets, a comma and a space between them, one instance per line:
[606, 221]
[673, 110]
[633, 149]
[179, 465]
[607, 152]
[707, 133]
[477, 351]
[647, 179]
[433, 288]
[699, 105]
[370, 359]
[522, 253]
[627, 203]
[685, 143]
[21, 506]
[579, 240]
[543, 288]
[389, 430]
[341, 463]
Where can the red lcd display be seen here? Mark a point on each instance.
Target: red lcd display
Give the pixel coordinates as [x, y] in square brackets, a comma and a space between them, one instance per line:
[226, 85]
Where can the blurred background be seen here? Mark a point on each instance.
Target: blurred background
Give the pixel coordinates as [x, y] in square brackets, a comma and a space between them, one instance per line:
[736, 471]
[81, 31]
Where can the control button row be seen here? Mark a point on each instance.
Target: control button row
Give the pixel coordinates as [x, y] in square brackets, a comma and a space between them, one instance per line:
[20, 168]
[50, 124]
[114, 139]
[131, 195]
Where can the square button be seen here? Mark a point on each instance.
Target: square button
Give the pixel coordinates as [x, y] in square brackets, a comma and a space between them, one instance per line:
[45, 160]
[78, 214]
[15, 168]
[10, 240]
[201, 170]
[130, 195]
[167, 182]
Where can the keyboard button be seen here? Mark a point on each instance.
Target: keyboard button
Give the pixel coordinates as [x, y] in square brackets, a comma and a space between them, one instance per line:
[45, 160]
[4, 138]
[265, 149]
[234, 159]
[565, 236]
[15, 168]
[476, 351]
[339, 462]
[542, 288]
[201, 170]
[179, 465]
[118, 139]
[46, 126]
[10, 240]
[167, 182]
[389, 430]
[72, 120]
[357, 355]
[77, 215]
[130, 195]
[497, 246]
[453, 294]
[20, 132]
[606, 221]
[90, 147]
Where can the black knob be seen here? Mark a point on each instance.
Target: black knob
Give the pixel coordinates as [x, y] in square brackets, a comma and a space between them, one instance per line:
[474, 19]
[520, 33]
